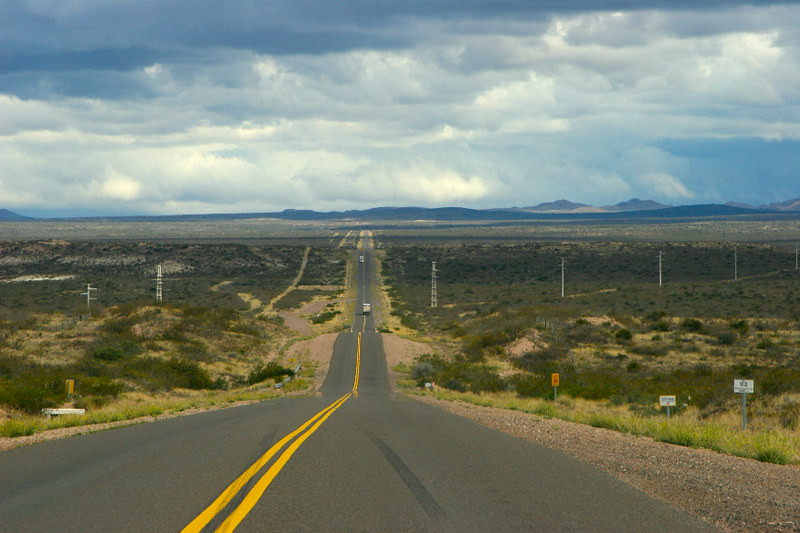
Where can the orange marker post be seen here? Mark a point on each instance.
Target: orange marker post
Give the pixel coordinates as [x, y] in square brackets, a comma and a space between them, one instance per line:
[554, 380]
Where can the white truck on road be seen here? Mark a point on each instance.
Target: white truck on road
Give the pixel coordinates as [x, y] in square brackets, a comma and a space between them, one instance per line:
[366, 308]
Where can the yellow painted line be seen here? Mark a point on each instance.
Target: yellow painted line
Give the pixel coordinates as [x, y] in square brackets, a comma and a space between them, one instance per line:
[249, 501]
[358, 366]
[229, 493]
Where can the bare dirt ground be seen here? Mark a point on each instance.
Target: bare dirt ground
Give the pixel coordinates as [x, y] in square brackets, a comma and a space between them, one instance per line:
[733, 494]
[297, 323]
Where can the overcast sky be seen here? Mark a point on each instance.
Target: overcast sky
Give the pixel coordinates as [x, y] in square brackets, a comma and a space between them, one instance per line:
[200, 106]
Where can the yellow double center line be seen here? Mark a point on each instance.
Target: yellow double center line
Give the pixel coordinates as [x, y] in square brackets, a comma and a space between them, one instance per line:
[358, 366]
[258, 489]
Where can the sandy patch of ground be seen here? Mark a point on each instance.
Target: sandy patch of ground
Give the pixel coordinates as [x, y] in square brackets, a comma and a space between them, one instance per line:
[399, 350]
[600, 320]
[250, 300]
[318, 350]
[43, 277]
[530, 343]
[601, 291]
[221, 284]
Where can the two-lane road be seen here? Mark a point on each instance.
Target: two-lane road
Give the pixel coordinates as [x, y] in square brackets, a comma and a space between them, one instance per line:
[357, 458]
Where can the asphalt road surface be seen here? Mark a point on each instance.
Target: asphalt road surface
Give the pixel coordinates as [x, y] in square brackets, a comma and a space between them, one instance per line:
[356, 458]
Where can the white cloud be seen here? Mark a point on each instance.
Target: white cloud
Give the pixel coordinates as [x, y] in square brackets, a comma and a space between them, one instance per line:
[482, 112]
[117, 186]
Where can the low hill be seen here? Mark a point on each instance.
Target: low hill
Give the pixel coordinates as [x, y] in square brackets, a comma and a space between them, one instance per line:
[6, 215]
[788, 205]
[634, 204]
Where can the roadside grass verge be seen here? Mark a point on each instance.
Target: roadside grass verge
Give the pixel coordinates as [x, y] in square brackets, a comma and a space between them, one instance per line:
[779, 446]
[137, 406]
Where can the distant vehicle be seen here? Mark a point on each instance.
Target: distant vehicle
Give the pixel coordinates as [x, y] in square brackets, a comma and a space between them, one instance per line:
[366, 308]
[361, 258]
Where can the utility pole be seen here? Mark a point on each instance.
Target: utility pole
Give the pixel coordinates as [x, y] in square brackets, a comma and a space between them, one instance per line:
[434, 295]
[659, 268]
[735, 264]
[563, 267]
[88, 295]
[159, 285]
[795, 256]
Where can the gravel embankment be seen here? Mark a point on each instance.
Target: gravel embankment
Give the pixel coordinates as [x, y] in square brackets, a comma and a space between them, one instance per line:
[732, 493]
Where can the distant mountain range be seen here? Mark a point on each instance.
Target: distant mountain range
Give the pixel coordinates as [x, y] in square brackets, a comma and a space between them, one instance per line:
[5, 214]
[559, 210]
[634, 204]
[565, 206]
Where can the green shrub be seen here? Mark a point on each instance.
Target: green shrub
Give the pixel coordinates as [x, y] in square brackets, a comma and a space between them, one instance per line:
[528, 386]
[18, 428]
[623, 335]
[455, 384]
[263, 372]
[115, 348]
[32, 392]
[774, 455]
[159, 374]
[422, 372]
[741, 326]
[325, 316]
[653, 350]
[693, 325]
[726, 338]
[98, 386]
[108, 353]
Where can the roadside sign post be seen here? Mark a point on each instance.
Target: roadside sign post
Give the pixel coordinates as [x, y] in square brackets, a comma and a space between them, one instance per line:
[554, 380]
[743, 387]
[70, 387]
[667, 401]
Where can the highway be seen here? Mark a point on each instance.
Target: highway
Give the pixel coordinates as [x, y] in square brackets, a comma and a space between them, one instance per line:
[358, 457]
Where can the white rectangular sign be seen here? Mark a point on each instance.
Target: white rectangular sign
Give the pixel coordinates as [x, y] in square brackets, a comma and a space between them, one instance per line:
[743, 386]
[666, 401]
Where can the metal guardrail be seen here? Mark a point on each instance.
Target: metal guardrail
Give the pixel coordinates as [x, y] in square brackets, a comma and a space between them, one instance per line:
[288, 378]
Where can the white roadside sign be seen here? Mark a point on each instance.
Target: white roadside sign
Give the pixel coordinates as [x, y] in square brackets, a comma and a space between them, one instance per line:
[743, 386]
[667, 401]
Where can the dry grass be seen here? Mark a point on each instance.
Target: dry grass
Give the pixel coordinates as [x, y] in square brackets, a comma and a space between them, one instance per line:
[137, 405]
[764, 440]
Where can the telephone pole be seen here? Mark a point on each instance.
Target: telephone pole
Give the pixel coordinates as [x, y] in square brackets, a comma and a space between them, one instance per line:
[88, 295]
[735, 264]
[434, 295]
[159, 285]
[563, 268]
[659, 268]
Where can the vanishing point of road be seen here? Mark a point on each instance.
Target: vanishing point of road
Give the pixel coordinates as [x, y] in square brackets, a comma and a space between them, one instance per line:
[357, 457]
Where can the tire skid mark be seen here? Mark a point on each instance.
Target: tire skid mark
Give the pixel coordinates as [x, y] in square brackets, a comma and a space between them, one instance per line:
[425, 498]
